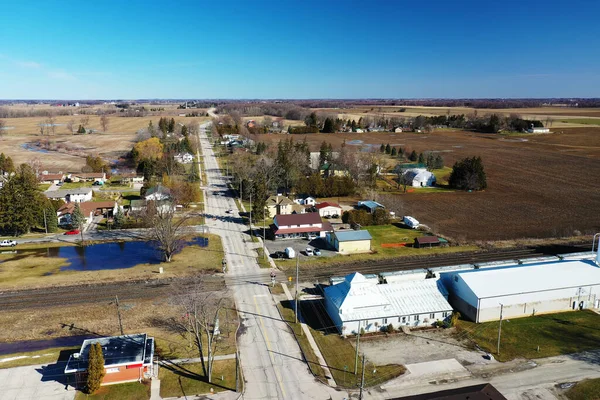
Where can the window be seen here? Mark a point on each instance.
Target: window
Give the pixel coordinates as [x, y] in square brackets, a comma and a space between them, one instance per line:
[385, 321]
[403, 319]
[416, 318]
[445, 314]
[432, 316]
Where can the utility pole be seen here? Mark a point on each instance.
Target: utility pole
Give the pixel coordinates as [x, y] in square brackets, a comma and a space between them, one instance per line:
[45, 223]
[264, 236]
[357, 345]
[251, 214]
[119, 314]
[500, 328]
[362, 380]
[297, 265]
[237, 369]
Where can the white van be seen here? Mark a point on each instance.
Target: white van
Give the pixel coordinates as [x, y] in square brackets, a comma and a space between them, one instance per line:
[411, 222]
[289, 252]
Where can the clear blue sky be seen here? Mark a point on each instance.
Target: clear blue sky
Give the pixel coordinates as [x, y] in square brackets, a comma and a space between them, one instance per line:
[299, 49]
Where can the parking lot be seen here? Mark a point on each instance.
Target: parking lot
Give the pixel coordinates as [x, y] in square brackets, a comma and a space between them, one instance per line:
[299, 245]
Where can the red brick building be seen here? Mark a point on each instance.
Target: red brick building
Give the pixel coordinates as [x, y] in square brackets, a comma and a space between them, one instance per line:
[127, 358]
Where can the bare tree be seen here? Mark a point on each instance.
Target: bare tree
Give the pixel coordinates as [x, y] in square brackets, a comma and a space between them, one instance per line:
[104, 121]
[2, 128]
[84, 121]
[167, 231]
[35, 165]
[42, 126]
[401, 176]
[71, 126]
[201, 308]
[50, 125]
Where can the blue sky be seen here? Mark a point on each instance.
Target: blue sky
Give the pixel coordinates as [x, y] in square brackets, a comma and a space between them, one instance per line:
[298, 49]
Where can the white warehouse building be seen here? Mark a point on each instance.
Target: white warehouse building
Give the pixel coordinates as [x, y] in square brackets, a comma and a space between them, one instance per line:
[358, 302]
[524, 290]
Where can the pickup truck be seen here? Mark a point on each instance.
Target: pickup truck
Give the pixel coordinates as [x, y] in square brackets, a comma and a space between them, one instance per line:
[8, 243]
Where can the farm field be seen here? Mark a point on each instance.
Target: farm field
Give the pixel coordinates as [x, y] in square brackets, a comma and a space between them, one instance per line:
[539, 186]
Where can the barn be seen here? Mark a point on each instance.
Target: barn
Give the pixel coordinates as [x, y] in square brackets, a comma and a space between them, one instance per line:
[524, 290]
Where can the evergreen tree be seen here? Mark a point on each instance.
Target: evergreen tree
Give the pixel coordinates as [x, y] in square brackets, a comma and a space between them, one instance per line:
[51, 219]
[6, 164]
[438, 162]
[388, 149]
[77, 217]
[413, 156]
[401, 152]
[119, 218]
[259, 199]
[328, 126]
[151, 129]
[394, 152]
[81, 129]
[421, 159]
[382, 148]
[171, 125]
[468, 174]
[184, 130]
[95, 370]
[194, 173]
[163, 125]
[21, 203]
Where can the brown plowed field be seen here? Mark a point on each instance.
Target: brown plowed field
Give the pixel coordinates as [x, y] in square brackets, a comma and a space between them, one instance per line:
[538, 186]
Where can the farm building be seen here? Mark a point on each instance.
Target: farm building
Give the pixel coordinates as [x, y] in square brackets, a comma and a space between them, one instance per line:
[127, 358]
[370, 205]
[540, 129]
[295, 226]
[70, 195]
[524, 290]
[358, 303]
[327, 209]
[429, 241]
[350, 242]
[419, 177]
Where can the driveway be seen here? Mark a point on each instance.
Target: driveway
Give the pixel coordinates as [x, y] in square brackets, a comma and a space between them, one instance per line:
[299, 245]
[36, 382]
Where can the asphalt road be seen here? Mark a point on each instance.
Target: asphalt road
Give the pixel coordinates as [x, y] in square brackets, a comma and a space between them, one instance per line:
[270, 357]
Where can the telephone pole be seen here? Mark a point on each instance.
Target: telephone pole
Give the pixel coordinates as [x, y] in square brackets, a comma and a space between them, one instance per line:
[500, 328]
[357, 345]
[362, 379]
[45, 223]
[297, 266]
[119, 314]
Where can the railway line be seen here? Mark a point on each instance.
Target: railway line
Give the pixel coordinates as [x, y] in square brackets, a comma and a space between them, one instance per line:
[163, 288]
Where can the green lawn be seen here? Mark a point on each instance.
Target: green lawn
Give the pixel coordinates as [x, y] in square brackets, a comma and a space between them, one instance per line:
[129, 196]
[189, 379]
[129, 391]
[44, 186]
[584, 121]
[262, 261]
[588, 389]
[555, 334]
[75, 185]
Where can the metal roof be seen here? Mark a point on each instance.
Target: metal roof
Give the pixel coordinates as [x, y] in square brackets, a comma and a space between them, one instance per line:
[351, 236]
[326, 204]
[358, 298]
[64, 192]
[297, 219]
[371, 204]
[518, 279]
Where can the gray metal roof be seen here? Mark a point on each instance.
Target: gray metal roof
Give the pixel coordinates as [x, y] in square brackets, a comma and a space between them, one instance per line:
[64, 192]
[351, 236]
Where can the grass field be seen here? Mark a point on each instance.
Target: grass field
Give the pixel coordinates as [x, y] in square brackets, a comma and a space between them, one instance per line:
[555, 334]
[36, 270]
[588, 389]
[129, 391]
[189, 379]
[530, 191]
[583, 121]
[35, 357]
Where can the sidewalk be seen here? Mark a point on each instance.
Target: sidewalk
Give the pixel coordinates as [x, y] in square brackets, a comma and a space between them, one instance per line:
[196, 360]
[312, 343]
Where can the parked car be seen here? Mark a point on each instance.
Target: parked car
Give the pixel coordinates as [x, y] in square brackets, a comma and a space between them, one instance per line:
[289, 252]
[97, 183]
[312, 237]
[309, 251]
[278, 254]
[335, 216]
[8, 243]
[229, 211]
[59, 184]
[72, 232]
[317, 252]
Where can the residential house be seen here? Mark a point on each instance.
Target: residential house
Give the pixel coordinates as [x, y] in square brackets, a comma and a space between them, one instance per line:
[137, 206]
[327, 209]
[70, 195]
[127, 358]
[306, 201]
[279, 205]
[331, 169]
[88, 177]
[3, 180]
[128, 178]
[296, 226]
[398, 130]
[51, 178]
[350, 241]
[370, 205]
[184, 158]
[89, 209]
[419, 177]
[158, 192]
[358, 303]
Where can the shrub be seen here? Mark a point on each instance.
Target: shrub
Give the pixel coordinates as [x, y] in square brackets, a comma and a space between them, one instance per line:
[468, 174]
[454, 319]
[95, 371]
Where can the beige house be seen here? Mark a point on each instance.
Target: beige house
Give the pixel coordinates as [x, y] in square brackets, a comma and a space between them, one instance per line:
[279, 205]
[350, 242]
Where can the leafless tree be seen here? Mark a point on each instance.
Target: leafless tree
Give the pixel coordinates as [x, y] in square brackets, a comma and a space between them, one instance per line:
[42, 126]
[50, 125]
[200, 308]
[142, 134]
[71, 126]
[35, 165]
[104, 122]
[165, 229]
[2, 128]
[84, 121]
[401, 177]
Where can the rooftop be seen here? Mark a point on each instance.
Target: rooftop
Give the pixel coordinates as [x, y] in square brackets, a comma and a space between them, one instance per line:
[327, 204]
[360, 299]
[370, 204]
[351, 236]
[297, 219]
[484, 391]
[117, 350]
[515, 279]
[427, 240]
[64, 192]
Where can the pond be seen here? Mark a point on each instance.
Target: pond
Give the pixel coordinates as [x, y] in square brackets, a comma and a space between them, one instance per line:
[108, 255]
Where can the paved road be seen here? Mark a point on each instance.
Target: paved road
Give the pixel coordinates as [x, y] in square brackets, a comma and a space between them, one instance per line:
[270, 357]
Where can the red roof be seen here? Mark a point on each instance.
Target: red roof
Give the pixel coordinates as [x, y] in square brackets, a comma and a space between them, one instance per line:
[298, 219]
[427, 240]
[327, 204]
[280, 231]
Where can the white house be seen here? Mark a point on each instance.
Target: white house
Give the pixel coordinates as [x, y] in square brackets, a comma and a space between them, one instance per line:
[157, 193]
[88, 177]
[70, 195]
[419, 177]
[540, 129]
[524, 290]
[51, 178]
[358, 303]
[306, 201]
[295, 226]
[327, 209]
[184, 158]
